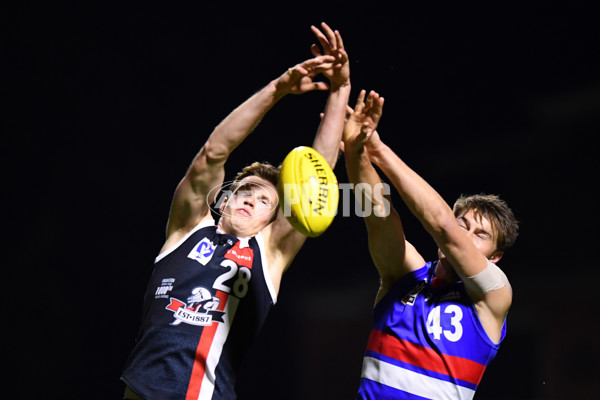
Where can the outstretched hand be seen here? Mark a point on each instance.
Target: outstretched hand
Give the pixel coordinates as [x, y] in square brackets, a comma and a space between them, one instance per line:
[299, 78]
[332, 45]
[362, 122]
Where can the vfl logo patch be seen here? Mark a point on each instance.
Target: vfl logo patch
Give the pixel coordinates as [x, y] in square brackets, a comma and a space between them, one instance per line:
[200, 310]
[203, 251]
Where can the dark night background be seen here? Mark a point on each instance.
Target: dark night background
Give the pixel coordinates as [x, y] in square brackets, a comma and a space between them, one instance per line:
[107, 105]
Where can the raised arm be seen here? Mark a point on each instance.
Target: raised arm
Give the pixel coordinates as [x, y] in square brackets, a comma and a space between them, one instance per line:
[456, 242]
[392, 254]
[206, 173]
[329, 134]
[283, 239]
[431, 210]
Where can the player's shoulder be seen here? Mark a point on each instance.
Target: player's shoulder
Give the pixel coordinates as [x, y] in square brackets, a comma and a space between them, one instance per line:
[177, 236]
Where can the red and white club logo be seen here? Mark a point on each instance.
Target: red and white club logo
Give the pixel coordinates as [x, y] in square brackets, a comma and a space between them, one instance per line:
[200, 309]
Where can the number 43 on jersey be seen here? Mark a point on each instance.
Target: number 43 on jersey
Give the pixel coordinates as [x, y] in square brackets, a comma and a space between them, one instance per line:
[436, 324]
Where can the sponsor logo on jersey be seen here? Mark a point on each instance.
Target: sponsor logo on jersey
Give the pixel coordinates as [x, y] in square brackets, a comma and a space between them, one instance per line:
[200, 308]
[241, 256]
[202, 251]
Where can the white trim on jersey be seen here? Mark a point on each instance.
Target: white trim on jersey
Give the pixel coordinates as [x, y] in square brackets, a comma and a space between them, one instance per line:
[202, 224]
[413, 382]
[216, 348]
[265, 267]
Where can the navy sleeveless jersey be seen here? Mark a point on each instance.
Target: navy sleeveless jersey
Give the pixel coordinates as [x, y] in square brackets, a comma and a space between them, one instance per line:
[426, 343]
[207, 299]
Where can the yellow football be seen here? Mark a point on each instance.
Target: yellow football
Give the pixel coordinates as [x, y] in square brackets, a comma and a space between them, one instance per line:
[308, 191]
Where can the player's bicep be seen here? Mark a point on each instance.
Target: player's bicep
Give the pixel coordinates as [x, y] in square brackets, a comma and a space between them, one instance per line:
[392, 254]
[491, 286]
[283, 243]
[195, 192]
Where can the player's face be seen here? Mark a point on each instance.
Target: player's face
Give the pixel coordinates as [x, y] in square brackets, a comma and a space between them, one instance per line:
[479, 230]
[250, 207]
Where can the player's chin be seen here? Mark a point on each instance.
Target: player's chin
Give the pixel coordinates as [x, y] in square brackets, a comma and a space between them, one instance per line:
[246, 227]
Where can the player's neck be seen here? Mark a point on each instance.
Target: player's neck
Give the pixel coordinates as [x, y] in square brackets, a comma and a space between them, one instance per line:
[446, 273]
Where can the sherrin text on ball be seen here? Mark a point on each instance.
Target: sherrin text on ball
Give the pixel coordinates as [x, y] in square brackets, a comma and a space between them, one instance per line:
[308, 190]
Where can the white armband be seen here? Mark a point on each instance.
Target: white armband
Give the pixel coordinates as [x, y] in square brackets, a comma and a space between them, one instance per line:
[491, 278]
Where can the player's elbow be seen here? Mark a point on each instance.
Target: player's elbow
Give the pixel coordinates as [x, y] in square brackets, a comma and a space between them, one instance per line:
[214, 153]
